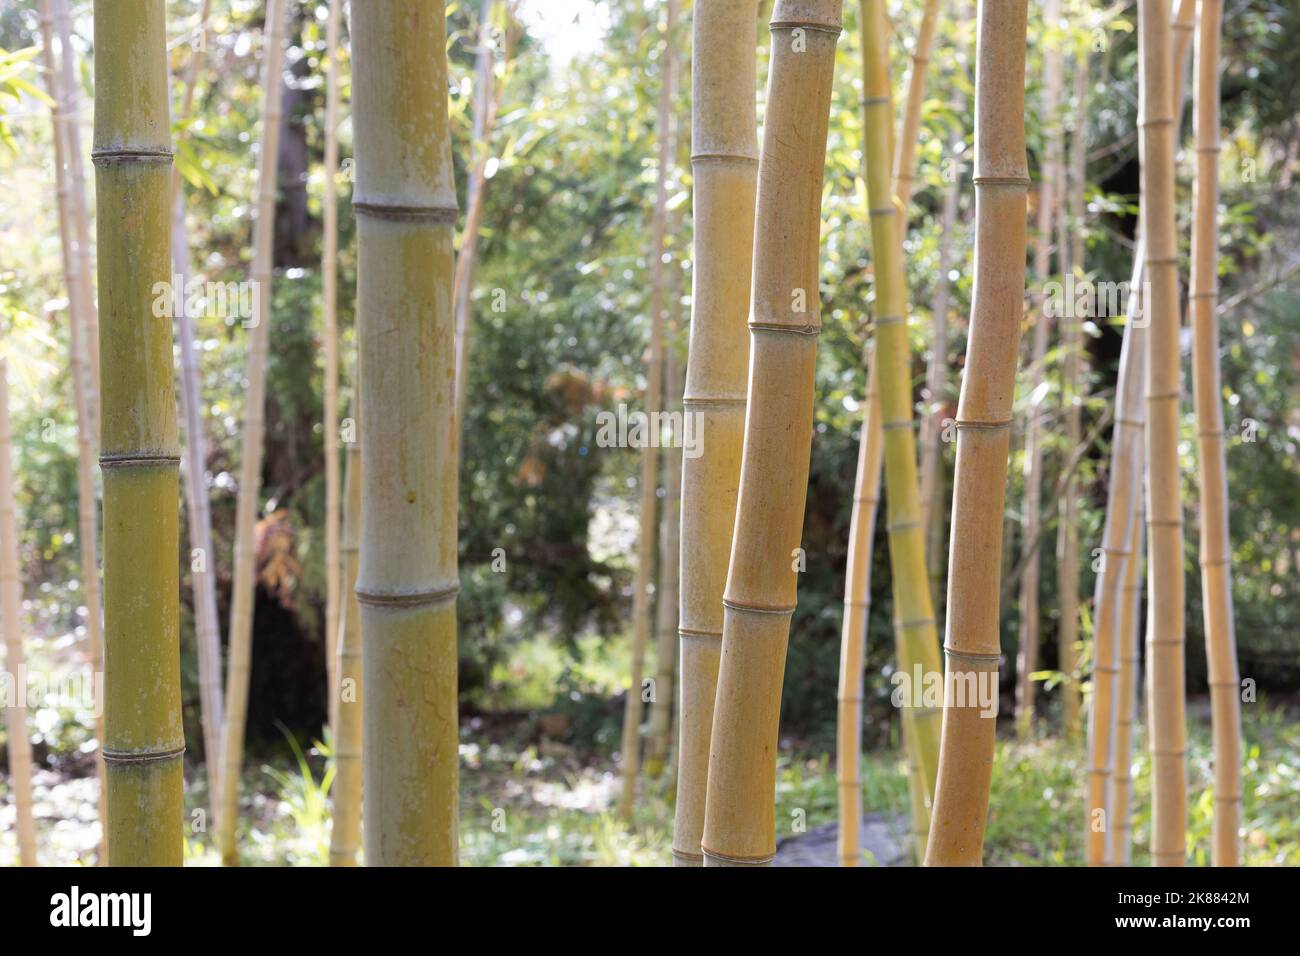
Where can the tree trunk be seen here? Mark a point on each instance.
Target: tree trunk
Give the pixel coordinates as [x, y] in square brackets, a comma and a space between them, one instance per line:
[346, 827]
[915, 630]
[198, 509]
[405, 203]
[1048, 186]
[143, 739]
[329, 315]
[724, 166]
[983, 436]
[739, 825]
[1215, 550]
[80, 329]
[239, 652]
[11, 599]
[645, 556]
[1165, 632]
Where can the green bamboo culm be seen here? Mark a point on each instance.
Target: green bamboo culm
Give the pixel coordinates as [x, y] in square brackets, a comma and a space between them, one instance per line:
[405, 203]
[140, 455]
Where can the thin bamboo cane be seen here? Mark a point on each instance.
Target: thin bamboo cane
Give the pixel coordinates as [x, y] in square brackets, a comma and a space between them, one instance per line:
[666, 607]
[1048, 203]
[407, 581]
[645, 551]
[244, 592]
[1165, 633]
[1122, 496]
[143, 740]
[485, 110]
[11, 596]
[740, 825]
[198, 509]
[914, 615]
[724, 166]
[1215, 551]
[346, 825]
[905, 154]
[83, 387]
[983, 435]
[69, 85]
[1118, 801]
[857, 612]
[329, 317]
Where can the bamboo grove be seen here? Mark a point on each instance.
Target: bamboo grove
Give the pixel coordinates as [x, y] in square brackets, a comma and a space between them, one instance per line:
[732, 335]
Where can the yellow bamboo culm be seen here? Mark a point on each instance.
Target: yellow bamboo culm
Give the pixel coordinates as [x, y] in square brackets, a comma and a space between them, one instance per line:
[971, 643]
[1215, 549]
[915, 631]
[857, 613]
[244, 589]
[1122, 496]
[1126, 690]
[1049, 189]
[81, 327]
[1165, 631]
[11, 598]
[407, 580]
[329, 318]
[724, 166]
[645, 550]
[346, 825]
[785, 320]
[143, 739]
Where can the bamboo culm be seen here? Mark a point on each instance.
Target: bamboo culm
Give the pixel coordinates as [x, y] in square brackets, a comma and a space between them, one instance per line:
[244, 589]
[971, 644]
[143, 739]
[19, 744]
[724, 165]
[1215, 547]
[739, 814]
[330, 333]
[407, 578]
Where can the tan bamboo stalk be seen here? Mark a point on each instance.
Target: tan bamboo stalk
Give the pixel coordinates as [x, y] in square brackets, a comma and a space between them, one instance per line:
[1048, 188]
[857, 612]
[143, 740]
[69, 85]
[1165, 633]
[905, 155]
[915, 631]
[1118, 801]
[11, 598]
[933, 481]
[329, 315]
[485, 109]
[1215, 551]
[740, 825]
[983, 433]
[666, 607]
[198, 510]
[407, 581]
[79, 329]
[1122, 496]
[724, 168]
[244, 591]
[346, 827]
[1072, 373]
[645, 552]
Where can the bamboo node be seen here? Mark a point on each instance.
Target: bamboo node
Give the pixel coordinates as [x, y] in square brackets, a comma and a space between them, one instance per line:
[895, 526]
[1162, 260]
[137, 461]
[712, 401]
[989, 426]
[1208, 149]
[401, 213]
[1156, 121]
[699, 633]
[881, 211]
[1169, 753]
[739, 159]
[754, 609]
[788, 329]
[1163, 396]
[974, 658]
[1021, 181]
[738, 860]
[1165, 522]
[688, 856]
[130, 757]
[815, 26]
[891, 320]
[120, 155]
[1203, 295]
[397, 599]
[875, 100]
[1130, 422]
